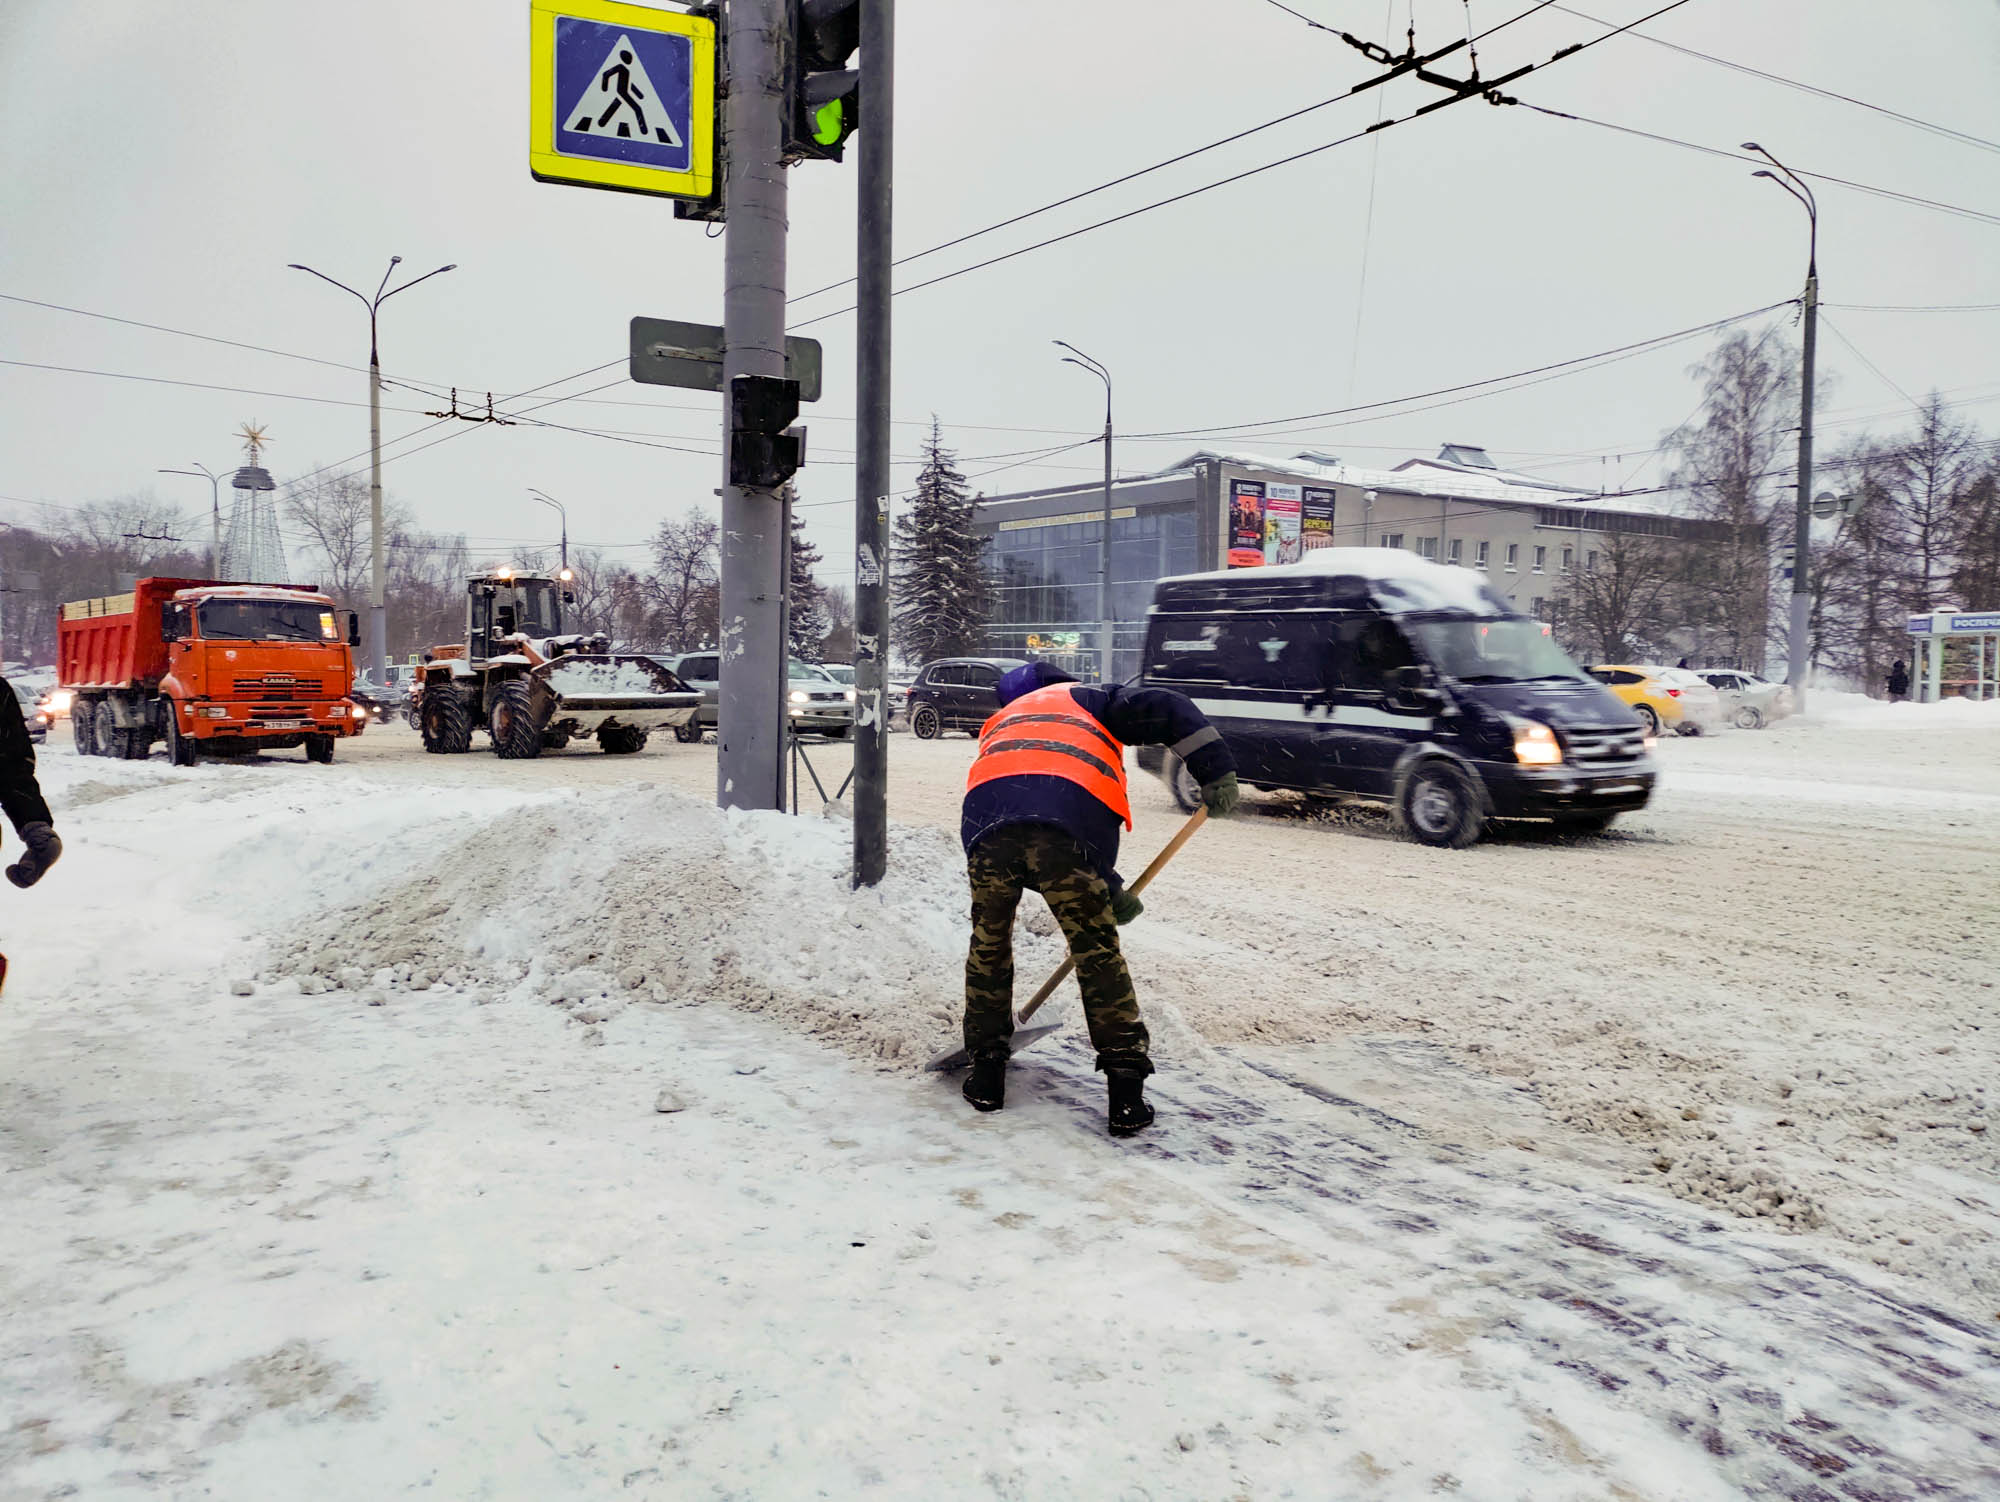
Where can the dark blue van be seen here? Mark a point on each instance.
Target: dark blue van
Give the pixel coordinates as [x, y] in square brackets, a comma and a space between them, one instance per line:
[1370, 673]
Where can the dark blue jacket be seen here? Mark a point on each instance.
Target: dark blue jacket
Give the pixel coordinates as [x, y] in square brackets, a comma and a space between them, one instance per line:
[1137, 717]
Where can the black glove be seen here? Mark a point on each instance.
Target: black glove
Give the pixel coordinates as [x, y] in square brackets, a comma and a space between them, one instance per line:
[1125, 905]
[1220, 796]
[44, 850]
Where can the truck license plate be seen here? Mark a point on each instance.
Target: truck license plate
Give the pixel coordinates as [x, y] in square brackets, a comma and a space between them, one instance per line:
[282, 724]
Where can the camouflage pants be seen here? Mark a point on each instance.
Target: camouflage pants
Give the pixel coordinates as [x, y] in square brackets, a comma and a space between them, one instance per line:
[1014, 859]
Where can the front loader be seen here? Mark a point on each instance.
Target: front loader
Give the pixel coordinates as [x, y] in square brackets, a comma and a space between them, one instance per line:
[532, 688]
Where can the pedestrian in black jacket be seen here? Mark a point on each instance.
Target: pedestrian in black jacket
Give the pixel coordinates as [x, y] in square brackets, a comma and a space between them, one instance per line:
[21, 798]
[1043, 806]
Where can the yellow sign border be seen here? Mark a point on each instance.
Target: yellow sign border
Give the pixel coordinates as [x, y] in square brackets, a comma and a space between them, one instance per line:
[546, 164]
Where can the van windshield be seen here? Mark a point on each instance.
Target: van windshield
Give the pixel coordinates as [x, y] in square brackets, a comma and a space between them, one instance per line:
[267, 620]
[1513, 649]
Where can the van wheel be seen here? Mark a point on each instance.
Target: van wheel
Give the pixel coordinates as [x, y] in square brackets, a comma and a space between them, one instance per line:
[1181, 786]
[1439, 806]
[925, 724]
[1748, 718]
[182, 750]
[1647, 718]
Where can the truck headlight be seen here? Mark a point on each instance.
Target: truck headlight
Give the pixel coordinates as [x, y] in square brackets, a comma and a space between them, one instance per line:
[1535, 745]
[337, 712]
[212, 711]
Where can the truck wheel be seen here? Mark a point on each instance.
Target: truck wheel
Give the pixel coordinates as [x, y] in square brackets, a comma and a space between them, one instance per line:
[182, 750]
[516, 736]
[106, 738]
[446, 726]
[319, 748]
[1439, 806]
[83, 726]
[622, 740]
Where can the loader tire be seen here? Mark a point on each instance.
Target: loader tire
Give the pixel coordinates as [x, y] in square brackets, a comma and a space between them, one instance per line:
[444, 721]
[622, 740]
[516, 736]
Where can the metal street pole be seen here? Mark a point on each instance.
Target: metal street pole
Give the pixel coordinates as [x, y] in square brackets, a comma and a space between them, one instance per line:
[214, 513]
[1104, 627]
[378, 616]
[750, 729]
[873, 214]
[1798, 649]
[561, 511]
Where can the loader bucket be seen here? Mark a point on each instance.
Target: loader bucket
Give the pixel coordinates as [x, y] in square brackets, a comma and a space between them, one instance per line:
[589, 691]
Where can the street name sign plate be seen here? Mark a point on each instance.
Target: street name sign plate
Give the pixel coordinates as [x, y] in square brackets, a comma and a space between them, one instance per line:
[621, 97]
[666, 352]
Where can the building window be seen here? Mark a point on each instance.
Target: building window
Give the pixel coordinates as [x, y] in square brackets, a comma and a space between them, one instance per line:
[1513, 557]
[1539, 607]
[1392, 539]
[1427, 547]
[1569, 559]
[1541, 559]
[1590, 561]
[1457, 550]
[1482, 558]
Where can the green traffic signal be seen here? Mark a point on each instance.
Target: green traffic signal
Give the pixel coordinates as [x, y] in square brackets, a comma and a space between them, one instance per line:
[830, 123]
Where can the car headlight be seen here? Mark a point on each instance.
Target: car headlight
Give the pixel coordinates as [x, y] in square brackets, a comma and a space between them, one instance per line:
[850, 696]
[800, 696]
[1535, 745]
[60, 700]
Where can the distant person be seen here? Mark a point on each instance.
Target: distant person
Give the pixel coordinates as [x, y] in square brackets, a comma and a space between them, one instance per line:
[1043, 803]
[1899, 683]
[1682, 663]
[21, 798]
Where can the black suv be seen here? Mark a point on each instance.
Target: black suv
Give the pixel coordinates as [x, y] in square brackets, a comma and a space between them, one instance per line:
[956, 693]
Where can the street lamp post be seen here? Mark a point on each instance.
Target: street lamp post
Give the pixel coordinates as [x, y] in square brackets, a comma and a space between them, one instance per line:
[214, 514]
[378, 625]
[1104, 549]
[549, 500]
[1799, 638]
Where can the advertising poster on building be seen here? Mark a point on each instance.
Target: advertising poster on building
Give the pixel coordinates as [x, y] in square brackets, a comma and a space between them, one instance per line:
[1316, 526]
[1246, 523]
[1281, 523]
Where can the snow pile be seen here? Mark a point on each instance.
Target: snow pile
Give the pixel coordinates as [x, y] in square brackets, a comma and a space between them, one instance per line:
[570, 676]
[1859, 712]
[594, 902]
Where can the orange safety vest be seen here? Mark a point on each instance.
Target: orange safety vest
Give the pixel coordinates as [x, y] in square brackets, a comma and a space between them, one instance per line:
[1048, 734]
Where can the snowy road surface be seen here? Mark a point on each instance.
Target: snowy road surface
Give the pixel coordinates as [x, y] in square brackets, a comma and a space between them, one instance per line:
[570, 1142]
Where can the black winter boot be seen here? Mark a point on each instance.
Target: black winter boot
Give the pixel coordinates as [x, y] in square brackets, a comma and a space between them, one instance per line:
[1129, 1112]
[986, 1086]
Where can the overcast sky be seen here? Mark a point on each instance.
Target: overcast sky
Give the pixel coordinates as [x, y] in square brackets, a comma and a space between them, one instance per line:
[166, 160]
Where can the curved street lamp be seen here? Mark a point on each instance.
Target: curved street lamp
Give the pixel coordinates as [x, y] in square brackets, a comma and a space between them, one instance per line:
[378, 629]
[549, 500]
[1078, 358]
[1798, 648]
[214, 513]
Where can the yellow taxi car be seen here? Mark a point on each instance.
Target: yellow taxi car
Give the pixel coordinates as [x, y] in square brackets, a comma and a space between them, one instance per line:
[1670, 699]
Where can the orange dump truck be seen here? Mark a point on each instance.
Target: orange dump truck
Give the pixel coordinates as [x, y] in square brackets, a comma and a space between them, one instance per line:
[208, 667]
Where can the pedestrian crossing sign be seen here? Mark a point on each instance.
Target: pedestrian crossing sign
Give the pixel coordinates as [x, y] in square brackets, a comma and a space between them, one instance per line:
[623, 97]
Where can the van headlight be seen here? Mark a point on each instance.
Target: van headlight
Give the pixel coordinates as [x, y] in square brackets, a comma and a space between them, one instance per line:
[1535, 745]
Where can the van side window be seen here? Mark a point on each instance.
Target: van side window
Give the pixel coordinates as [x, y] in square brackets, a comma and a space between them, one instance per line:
[1366, 651]
[1285, 653]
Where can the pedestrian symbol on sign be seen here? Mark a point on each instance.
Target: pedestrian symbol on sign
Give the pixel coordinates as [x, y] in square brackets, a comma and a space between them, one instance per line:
[623, 101]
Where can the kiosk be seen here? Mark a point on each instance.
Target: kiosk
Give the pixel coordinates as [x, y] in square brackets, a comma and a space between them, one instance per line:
[1974, 669]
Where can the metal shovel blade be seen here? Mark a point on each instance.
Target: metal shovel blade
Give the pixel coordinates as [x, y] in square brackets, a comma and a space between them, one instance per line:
[1024, 1037]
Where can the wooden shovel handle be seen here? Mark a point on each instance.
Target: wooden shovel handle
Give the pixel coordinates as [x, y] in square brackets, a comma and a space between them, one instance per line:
[1195, 821]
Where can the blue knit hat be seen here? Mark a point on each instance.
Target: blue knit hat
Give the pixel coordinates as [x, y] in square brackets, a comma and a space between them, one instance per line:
[1028, 677]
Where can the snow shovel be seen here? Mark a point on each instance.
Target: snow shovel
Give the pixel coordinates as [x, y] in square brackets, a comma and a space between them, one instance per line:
[1024, 1036]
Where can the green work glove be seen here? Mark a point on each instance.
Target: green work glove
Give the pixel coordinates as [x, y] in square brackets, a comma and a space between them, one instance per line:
[1125, 905]
[1221, 796]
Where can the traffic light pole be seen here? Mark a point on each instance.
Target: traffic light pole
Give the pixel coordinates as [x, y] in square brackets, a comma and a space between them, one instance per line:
[871, 487]
[750, 763]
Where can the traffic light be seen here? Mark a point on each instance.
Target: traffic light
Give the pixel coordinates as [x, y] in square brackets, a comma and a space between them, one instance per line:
[825, 105]
[764, 449]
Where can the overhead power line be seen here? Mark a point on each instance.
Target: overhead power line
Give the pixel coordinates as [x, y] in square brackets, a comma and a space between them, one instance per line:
[123, 375]
[1793, 83]
[1470, 89]
[1914, 307]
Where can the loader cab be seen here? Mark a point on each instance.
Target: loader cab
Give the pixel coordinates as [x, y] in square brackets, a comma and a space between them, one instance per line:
[503, 602]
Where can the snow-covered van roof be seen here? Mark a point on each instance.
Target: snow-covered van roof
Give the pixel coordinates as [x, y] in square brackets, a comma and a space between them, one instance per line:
[1412, 582]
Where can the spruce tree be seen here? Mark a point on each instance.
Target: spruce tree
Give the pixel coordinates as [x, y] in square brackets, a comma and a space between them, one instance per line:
[938, 584]
[806, 624]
